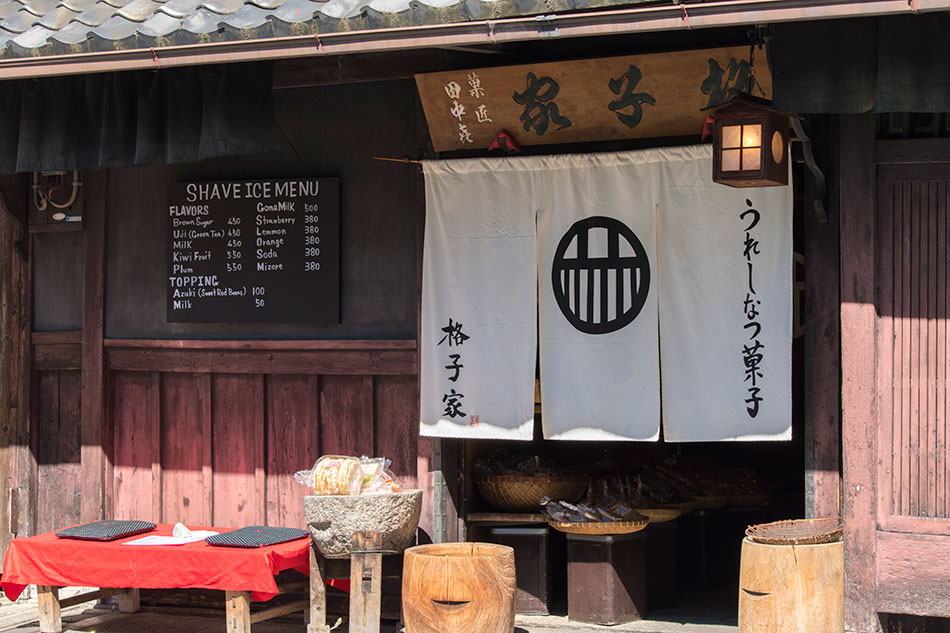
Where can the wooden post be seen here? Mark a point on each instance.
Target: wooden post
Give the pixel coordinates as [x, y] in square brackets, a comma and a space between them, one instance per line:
[859, 410]
[366, 574]
[129, 601]
[93, 455]
[47, 599]
[318, 594]
[238, 605]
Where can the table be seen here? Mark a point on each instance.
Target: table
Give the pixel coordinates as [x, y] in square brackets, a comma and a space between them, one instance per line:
[244, 574]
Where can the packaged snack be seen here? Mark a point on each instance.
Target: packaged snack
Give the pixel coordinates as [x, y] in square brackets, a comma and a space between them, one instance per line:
[377, 478]
[333, 475]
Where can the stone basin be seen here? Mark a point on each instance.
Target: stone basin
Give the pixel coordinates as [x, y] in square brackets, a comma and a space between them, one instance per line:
[333, 520]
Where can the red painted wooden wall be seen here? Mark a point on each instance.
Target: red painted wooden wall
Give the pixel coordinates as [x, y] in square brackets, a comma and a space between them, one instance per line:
[211, 433]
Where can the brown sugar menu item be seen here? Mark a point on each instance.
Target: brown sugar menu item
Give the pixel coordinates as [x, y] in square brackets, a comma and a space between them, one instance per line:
[337, 475]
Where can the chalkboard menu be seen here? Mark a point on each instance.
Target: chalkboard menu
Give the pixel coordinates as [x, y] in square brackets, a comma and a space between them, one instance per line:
[254, 251]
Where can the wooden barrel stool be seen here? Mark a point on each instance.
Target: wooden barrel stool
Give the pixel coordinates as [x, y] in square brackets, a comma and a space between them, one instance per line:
[459, 587]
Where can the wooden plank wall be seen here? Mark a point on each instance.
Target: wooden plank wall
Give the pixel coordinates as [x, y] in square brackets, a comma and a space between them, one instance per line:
[211, 432]
[215, 437]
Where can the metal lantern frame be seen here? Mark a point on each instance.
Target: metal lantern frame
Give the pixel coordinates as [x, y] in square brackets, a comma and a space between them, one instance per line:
[750, 142]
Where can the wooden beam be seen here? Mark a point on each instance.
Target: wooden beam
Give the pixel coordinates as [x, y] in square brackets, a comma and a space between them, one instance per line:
[358, 362]
[293, 346]
[276, 612]
[57, 357]
[93, 457]
[858, 370]
[342, 69]
[365, 582]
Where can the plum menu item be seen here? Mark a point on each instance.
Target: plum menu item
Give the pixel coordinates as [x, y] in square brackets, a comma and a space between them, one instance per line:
[255, 251]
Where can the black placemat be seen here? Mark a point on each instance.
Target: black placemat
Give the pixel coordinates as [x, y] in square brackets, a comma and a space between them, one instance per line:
[106, 530]
[256, 536]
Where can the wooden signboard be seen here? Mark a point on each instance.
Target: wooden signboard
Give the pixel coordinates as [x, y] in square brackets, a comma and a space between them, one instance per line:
[260, 251]
[640, 96]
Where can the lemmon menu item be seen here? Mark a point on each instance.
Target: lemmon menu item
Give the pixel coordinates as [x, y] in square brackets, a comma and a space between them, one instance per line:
[256, 536]
[106, 530]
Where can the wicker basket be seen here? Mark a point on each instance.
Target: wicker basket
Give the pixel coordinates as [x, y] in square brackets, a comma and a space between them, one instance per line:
[659, 515]
[600, 527]
[521, 493]
[798, 532]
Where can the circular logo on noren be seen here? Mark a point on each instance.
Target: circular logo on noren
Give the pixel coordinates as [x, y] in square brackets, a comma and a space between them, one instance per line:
[600, 275]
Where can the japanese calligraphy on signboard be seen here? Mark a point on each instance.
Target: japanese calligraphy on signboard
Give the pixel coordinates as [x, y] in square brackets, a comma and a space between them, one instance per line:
[640, 96]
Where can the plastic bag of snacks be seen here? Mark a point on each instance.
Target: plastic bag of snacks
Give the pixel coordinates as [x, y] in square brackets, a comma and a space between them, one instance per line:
[340, 475]
[333, 475]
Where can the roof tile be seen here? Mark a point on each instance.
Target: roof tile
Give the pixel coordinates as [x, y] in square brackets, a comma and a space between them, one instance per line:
[34, 38]
[139, 10]
[222, 7]
[117, 28]
[9, 8]
[57, 18]
[40, 8]
[266, 4]
[19, 22]
[99, 14]
[180, 8]
[247, 17]
[202, 21]
[298, 10]
[118, 4]
[73, 33]
[160, 25]
[78, 5]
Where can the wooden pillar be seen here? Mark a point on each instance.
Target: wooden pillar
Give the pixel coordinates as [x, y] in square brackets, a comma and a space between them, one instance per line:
[17, 459]
[129, 601]
[858, 371]
[47, 600]
[821, 314]
[93, 458]
[318, 594]
[238, 606]
[366, 577]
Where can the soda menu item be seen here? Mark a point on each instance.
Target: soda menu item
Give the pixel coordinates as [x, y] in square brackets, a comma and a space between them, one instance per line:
[255, 251]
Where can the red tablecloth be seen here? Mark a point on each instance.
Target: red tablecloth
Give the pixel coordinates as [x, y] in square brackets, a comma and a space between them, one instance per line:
[46, 559]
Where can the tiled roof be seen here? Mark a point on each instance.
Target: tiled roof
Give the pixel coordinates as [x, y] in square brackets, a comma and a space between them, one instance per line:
[30, 28]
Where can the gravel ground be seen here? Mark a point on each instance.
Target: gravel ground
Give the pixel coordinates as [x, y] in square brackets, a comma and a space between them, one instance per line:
[20, 617]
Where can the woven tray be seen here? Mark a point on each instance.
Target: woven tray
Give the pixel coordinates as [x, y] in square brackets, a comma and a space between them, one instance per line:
[594, 528]
[798, 532]
[749, 499]
[711, 502]
[682, 506]
[659, 515]
[521, 493]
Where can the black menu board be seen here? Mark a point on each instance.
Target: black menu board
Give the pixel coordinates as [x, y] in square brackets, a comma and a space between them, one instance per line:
[254, 251]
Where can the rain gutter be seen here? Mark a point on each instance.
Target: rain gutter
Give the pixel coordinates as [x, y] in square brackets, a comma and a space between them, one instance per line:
[667, 17]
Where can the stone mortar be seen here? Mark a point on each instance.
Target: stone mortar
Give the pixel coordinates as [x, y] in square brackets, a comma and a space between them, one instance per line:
[334, 519]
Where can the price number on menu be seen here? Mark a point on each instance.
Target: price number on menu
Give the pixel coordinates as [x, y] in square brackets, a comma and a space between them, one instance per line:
[311, 237]
[258, 293]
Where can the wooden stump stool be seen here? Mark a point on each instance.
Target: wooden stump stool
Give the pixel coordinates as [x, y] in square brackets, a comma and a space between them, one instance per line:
[791, 588]
[459, 587]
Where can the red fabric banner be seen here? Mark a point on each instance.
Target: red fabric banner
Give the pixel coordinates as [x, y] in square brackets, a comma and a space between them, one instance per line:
[46, 559]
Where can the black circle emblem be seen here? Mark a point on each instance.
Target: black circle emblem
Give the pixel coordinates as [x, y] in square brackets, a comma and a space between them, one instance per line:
[603, 293]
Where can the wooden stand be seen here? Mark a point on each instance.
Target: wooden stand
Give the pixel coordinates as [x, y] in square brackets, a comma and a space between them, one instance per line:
[366, 569]
[606, 578]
